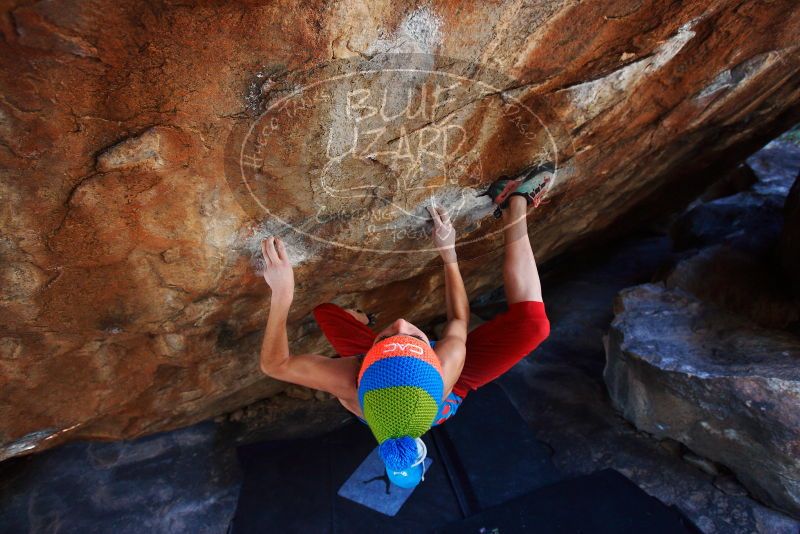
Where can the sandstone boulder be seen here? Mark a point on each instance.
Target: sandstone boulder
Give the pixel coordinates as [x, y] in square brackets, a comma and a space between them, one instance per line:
[147, 148]
[729, 390]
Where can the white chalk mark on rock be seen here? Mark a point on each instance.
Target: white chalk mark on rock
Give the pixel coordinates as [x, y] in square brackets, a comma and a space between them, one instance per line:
[420, 33]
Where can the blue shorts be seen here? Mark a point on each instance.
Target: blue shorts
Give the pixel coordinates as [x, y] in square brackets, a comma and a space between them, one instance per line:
[447, 409]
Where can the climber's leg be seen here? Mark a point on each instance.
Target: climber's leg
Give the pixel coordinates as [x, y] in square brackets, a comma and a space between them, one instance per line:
[348, 336]
[496, 345]
[520, 275]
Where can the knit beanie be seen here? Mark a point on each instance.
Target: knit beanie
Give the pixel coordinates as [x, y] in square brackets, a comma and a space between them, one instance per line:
[400, 388]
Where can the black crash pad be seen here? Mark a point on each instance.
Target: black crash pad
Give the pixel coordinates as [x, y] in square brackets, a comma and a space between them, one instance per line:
[496, 453]
[487, 466]
[291, 486]
[604, 502]
[482, 456]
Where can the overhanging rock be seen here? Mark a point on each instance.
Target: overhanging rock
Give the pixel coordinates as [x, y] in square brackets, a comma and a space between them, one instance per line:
[129, 300]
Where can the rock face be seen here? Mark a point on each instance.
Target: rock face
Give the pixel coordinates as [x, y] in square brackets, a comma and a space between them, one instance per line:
[711, 357]
[738, 179]
[750, 217]
[790, 238]
[741, 284]
[731, 219]
[728, 389]
[147, 149]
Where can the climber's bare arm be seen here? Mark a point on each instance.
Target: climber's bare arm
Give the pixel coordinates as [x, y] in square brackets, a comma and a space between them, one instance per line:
[451, 348]
[335, 376]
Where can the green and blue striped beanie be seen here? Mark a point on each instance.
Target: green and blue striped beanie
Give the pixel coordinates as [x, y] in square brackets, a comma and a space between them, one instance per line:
[400, 388]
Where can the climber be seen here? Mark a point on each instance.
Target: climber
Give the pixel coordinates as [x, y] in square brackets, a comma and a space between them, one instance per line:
[398, 381]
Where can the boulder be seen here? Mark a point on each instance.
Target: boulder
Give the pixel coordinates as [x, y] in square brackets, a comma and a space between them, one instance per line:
[776, 165]
[750, 216]
[740, 178]
[746, 220]
[728, 389]
[790, 238]
[741, 283]
[147, 150]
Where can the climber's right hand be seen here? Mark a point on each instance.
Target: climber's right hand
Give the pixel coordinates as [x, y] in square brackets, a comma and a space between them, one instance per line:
[444, 235]
[278, 269]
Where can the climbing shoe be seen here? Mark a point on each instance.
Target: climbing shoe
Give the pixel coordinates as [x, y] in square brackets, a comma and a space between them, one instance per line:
[531, 184]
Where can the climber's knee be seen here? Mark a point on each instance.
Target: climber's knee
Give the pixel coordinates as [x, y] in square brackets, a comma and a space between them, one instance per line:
[530, 317]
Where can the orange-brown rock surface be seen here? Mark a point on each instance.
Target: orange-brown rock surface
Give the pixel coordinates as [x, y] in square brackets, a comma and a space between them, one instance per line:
[146, 147]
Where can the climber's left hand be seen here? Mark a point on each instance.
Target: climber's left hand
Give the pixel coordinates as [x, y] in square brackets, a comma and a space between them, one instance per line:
[278, 269]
